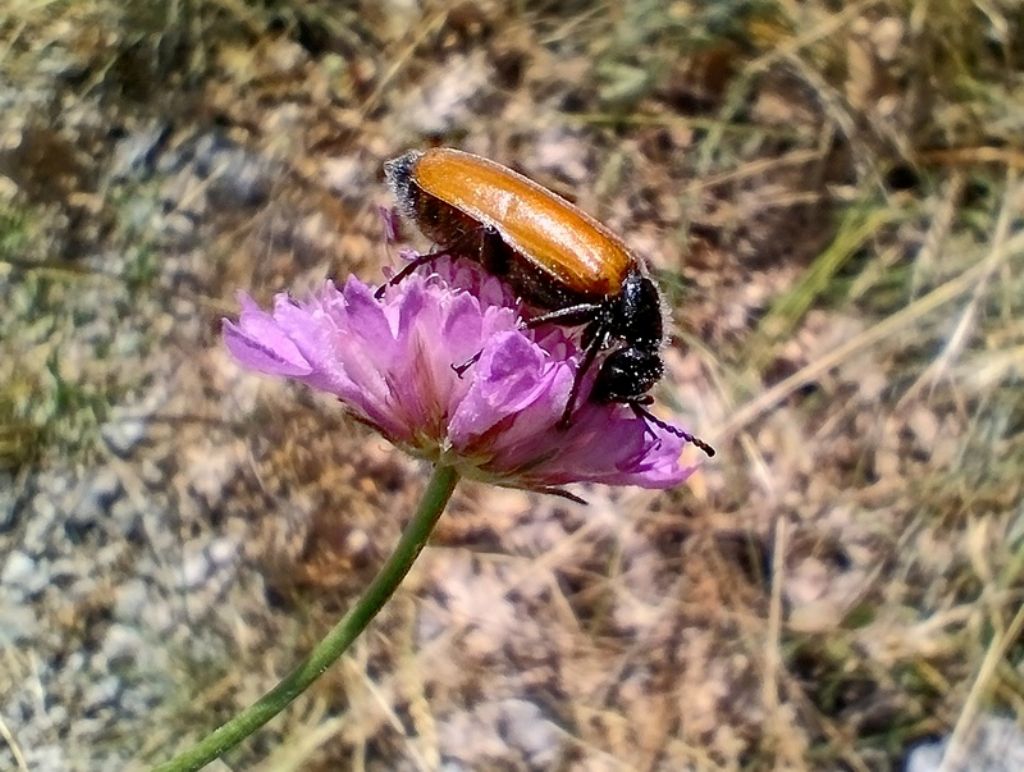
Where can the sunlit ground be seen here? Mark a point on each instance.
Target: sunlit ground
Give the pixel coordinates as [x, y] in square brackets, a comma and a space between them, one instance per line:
[831, 197]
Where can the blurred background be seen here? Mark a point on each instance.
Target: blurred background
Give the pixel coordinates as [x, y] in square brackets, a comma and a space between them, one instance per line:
[830, 196]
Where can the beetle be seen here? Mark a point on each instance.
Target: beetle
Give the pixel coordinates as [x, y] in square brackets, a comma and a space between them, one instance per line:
[558, 258]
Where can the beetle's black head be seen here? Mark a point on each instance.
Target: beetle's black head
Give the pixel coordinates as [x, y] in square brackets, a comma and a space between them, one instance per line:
[630, 371]
[626, 375]
[636, 317]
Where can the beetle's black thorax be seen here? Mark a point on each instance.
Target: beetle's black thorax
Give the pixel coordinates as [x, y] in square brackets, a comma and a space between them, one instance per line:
[634, 315]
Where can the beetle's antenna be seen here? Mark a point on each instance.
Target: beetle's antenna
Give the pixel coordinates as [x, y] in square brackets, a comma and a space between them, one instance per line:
[642, 412]
[452, 250]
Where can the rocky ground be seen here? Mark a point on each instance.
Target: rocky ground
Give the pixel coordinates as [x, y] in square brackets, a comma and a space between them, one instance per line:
[831, 198]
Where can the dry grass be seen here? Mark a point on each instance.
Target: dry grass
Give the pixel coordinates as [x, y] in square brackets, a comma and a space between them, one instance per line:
[832, 196]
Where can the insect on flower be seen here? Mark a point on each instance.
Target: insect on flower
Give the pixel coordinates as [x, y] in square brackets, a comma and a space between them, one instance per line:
[389, 363]
[558, 259]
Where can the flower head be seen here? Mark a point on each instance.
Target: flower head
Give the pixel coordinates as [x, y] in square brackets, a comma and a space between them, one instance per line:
[390, 362]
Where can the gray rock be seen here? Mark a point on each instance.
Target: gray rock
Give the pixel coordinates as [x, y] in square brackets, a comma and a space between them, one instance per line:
[129, 600]
[39, 519]
[102, 692]
[179, 231]
[223, 551]
[123, 435]
[17, 622]
[124, 514]
[122, 643]
[19, 570]
[48, 758]
[526, 728]
[68, 569]
[195, 567]
[57, 715]
[151, 472]
[238, 178]
[93, 501]
[8, 503]
[160, 618]
[996, 744]
[135, 155]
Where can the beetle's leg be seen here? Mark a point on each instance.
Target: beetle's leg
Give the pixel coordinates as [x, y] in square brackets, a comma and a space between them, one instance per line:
[589, 355]
[599, 327]
[640, 411]
[462, 242]
[460, 370]
[492, 253]
[581, 313]
[490, 257]
[419, 262]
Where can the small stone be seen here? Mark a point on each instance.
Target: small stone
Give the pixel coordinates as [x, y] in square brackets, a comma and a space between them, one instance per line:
[100, 492]
[18, 569]
[448, 98]
[151, 472]
[563, 154]
[357, 541]
[194, 570]
[130, 599]
[65, 570]
[46, 757]
[925, 426]
[179, 231]
[888, 36]
[343, 176]
[102, 692]
[8, 503]
[135, 153]
[283, 57]
[526, 727]
[209, 470]
[43, 506]
[58, 485]
[223, 551]
[238, 178]
[996, 744]
[123, 513]
[123, 436]
[57, 715]
[75, 662]
[17, 622]
[122, 643]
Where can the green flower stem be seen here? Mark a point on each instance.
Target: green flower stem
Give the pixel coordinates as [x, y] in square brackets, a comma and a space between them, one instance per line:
[384, 584]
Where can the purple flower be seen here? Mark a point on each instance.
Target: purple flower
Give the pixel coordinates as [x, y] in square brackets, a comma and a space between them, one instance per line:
[390, 362]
